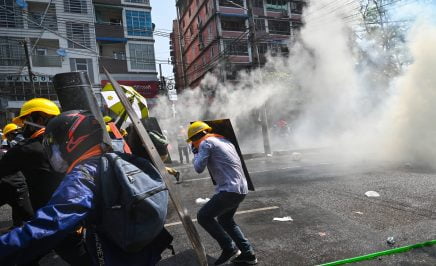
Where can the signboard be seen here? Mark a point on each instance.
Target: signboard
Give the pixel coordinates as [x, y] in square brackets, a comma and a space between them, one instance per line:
[148, 89]
[172, 95]
[25, 78]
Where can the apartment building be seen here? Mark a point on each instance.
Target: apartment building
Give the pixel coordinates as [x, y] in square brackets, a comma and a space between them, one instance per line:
[215, 34]
[124, 33]
[49, 36]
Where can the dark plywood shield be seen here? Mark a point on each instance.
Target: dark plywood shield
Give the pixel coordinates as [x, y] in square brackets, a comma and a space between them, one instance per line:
[224, 127]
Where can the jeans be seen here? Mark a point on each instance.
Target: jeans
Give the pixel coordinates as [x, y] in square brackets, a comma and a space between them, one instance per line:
[225, 231]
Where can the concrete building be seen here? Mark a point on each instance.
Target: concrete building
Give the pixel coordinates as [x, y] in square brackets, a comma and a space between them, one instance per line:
[215, 32]
[124, 33]
[58, 36]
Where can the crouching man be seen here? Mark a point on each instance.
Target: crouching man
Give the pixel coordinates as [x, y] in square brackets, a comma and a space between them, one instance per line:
[73, 143]
[224, 164]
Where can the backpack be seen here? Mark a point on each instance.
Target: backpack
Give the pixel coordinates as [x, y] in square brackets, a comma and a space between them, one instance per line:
[132, 203]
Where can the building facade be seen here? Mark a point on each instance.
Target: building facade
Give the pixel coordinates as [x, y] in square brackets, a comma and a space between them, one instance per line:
[49, 36]
[124, 33]
[216, 33]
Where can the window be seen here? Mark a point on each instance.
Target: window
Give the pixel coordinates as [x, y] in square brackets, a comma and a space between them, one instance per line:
[260, 24]
[141, 56]
[146, 2]
[41, 51]
[82, 65]
[119, 55]
[139, 23]
[50, 19]
[233, 47]
[229, 4]
[278, 49]
[211, 52]
[277, 5]
[297, 7]
[8, 19]
[233, 24]
[258, 3]
[75, 6]
[78, 33]
[11, 53]
[279, 27]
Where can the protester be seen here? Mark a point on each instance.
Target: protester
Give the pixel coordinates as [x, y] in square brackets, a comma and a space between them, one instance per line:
[12, 134]
[224, 165]
[182, 145]
[29, 158]
[73, 143]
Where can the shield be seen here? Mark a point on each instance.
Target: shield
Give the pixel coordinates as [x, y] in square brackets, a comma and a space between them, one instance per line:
[137, 101]
[224, 127]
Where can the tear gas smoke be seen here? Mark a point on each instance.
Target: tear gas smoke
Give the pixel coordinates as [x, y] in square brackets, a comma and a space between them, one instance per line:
[327, 95]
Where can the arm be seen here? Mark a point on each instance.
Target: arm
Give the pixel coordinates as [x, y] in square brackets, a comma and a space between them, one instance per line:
[201, 158]
[12, 161]
[69, 205]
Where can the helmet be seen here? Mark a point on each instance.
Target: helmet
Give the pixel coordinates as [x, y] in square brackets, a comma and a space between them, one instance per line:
[69, 135]
[36, 105]
[107, 119]
[197, 127]
[8, 129]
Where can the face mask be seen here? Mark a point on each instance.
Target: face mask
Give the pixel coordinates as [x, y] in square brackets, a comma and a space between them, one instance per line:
[56, 160]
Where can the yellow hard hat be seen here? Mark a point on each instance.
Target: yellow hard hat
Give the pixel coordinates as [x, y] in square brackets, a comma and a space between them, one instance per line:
[108, 128]
[8, 129]
[197, 127]
[36, 105]
[107, 119]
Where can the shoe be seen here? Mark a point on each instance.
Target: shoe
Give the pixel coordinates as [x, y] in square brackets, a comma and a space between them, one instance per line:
[246, 258]
[226, 255]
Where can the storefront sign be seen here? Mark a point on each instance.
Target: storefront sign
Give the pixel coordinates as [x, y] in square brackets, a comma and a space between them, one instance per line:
[148, 89]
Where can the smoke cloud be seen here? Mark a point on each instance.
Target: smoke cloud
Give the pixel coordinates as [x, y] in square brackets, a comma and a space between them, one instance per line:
[328, 89]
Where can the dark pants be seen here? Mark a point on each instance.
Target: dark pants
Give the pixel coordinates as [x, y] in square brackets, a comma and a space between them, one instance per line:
[18, 199]
[225, 231]
[183, 150]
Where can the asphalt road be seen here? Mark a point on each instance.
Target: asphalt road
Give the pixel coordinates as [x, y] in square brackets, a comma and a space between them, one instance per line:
[332, 217]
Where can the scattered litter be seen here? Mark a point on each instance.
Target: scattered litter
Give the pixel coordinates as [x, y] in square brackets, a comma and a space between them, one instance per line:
[371, 194]
[201, 201]
[296, 156]
[269, 155]
[359, 213]
[284, 219]
[322, 233]
[390, 241]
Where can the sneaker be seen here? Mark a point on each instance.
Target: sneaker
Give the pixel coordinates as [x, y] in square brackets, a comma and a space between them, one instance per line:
[246, 258]
[226, 255]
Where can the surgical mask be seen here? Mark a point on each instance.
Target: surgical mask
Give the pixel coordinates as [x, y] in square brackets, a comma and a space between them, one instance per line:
[56, 160]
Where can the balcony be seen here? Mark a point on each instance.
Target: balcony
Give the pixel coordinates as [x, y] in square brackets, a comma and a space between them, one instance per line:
[113, 65]
[46, 61]
[108, 31]
[107, 2]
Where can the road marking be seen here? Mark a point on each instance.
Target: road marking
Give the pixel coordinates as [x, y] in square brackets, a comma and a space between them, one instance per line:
[237, 213]
[196, 179]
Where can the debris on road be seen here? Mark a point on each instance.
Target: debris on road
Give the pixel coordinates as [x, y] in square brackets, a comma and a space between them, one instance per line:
[283, 219]
[372, 194]
[358, 213]
[201, 201]
[322, 233]
[390, 241]
[296, 156]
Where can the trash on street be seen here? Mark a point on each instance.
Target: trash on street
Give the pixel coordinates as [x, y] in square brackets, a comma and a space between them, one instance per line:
[283, 219]
[372, 194]
[201, 201]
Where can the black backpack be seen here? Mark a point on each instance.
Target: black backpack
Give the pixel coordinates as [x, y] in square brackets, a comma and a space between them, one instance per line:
[133, 199]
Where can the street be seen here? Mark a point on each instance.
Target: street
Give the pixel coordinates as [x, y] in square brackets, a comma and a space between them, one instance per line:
[332, 219]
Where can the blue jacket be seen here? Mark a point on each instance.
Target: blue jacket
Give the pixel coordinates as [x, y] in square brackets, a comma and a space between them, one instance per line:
[71, 206]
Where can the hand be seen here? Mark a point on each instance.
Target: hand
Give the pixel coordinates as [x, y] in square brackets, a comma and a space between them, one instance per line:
[194, 150]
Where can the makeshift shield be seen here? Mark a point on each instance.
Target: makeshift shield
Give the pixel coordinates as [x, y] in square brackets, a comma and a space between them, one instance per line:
[224, 127]
[189, 226]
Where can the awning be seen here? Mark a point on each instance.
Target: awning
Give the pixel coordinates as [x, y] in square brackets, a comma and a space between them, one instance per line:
[233, 15]
[111, 39]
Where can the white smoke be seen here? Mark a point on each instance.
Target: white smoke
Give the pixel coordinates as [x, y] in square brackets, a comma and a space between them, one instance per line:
[327, 96]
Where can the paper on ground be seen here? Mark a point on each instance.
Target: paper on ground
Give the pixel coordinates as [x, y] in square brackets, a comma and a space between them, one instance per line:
[372, 194]
[283, 219]
[201, 201]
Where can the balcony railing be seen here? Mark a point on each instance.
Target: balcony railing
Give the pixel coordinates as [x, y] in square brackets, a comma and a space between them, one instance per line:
[113, 65]
[46, 61]
[109, 30]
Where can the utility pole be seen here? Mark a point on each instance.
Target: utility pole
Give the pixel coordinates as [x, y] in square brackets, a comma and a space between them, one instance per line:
[256, 58]
[29, 68]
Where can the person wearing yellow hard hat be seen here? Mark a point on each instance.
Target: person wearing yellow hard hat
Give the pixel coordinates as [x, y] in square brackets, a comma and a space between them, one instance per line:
[28, 157]
[12, 134]
[219, 155]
